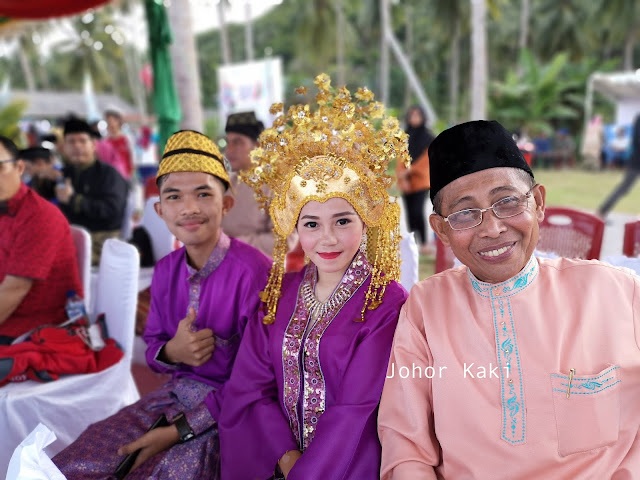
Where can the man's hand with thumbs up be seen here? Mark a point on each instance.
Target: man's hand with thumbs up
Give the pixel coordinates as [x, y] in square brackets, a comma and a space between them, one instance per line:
[189, 346]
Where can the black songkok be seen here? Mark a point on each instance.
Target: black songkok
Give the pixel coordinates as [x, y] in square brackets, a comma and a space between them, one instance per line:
[32, 154]
[244, 123]
[77, 125]
[471, 147]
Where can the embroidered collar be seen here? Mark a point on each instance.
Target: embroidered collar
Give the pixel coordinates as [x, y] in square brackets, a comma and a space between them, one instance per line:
[304, 381]
[12, 205]
[216, 257]
[510, 287]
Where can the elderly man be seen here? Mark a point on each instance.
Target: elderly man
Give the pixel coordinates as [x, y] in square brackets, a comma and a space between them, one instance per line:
[202, 297]
[510, 366]
[94, 194]
[245, 221]
[37, 256]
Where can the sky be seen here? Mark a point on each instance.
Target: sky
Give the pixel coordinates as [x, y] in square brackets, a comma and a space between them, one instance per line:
[205, 13]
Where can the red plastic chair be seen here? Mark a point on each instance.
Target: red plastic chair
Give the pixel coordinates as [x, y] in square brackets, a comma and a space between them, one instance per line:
[571, 233]
[631, 245]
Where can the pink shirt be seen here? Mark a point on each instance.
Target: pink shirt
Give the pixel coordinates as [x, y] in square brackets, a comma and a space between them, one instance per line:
[499, 357]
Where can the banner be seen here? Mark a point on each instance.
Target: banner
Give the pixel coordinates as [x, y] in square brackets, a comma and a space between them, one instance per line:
[250, 86]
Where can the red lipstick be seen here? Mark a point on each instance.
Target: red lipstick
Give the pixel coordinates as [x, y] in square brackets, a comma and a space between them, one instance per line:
[329, 255]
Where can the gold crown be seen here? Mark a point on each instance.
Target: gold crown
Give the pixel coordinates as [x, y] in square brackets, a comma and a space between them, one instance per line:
[190, 151]
[343, 149]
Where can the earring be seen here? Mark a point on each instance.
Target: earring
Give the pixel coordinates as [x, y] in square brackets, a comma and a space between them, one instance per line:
[363, 243]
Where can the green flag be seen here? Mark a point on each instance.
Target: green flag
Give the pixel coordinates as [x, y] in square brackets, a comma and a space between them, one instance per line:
[165, 99]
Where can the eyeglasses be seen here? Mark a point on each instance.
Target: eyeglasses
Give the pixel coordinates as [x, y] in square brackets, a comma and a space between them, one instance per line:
[8, 161]
[504, 208]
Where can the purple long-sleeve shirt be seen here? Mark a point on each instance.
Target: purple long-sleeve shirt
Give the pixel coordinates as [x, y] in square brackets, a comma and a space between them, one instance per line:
[256, 424]
[225, 294]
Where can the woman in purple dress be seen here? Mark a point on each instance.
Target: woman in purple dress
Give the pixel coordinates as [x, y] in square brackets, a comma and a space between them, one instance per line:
[303, 396]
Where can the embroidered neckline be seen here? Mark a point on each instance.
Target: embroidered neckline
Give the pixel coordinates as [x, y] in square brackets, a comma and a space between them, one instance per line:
[215, 259]
[509, 287]
[304, 390]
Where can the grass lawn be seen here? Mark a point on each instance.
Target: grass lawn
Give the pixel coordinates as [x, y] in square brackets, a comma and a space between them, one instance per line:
[587, 190]
[572, 188]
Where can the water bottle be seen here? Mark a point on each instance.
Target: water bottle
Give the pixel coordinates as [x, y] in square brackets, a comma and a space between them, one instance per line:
[75, 306]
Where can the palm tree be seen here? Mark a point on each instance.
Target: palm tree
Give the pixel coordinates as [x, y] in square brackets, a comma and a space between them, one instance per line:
[453, 17]
[25, 61]
[479, 60]
[555, 21]
[224, 35]
[525, 14]
[185, 65]
[623, 17]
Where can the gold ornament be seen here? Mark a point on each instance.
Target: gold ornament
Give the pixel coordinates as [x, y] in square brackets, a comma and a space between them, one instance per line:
[342, 149]
[190, 151]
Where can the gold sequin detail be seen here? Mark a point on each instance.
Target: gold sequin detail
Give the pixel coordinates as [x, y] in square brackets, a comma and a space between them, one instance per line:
[198, 158]
[342, 149]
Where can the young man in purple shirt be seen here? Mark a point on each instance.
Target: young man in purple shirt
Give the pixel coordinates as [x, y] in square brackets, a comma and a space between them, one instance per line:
[202, 297]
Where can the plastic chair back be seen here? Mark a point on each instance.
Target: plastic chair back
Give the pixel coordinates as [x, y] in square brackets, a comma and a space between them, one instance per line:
[631, 245]
[571, 233]
[117, 291]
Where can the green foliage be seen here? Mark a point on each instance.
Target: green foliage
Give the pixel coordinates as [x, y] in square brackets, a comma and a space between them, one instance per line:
[9, 117]
[539, 96]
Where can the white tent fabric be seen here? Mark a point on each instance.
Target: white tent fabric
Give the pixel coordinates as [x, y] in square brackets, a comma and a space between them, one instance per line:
[621, 88]
[69, 405]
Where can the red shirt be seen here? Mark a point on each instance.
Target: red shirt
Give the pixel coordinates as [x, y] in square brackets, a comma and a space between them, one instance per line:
[36, 243]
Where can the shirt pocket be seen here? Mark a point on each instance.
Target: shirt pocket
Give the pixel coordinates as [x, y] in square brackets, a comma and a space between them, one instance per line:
[590, 417]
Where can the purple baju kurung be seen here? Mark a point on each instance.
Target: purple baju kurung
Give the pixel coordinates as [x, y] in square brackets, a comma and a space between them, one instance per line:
[311, 388]
[225, 295]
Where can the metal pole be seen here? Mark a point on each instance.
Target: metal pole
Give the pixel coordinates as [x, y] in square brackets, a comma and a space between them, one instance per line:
[412, 77]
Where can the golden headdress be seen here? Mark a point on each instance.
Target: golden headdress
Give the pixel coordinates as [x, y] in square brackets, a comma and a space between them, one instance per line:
[343, 149]
[191, 151]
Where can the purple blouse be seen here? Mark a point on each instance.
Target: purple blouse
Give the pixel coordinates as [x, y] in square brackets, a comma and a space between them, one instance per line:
[315, 391]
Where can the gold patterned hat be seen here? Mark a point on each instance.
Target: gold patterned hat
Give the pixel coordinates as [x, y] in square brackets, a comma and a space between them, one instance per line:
[342, 149]
[191, 151]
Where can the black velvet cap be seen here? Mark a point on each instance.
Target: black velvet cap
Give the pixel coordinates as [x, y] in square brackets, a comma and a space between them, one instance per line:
[77, 125]
[471, 147]
[32, 154]
[244, 123]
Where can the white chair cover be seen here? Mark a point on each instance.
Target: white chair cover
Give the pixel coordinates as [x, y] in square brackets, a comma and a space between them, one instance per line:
[162, 240]
[134, 202]
[82, 242]
[409, 268]
[69, 405]
[117, 290]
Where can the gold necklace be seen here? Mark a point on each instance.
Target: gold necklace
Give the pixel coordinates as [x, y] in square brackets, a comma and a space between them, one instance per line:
[318, 309]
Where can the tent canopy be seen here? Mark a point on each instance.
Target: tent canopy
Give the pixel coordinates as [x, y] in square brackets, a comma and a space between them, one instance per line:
[621, 88]
[42, 9]
[617, 86]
